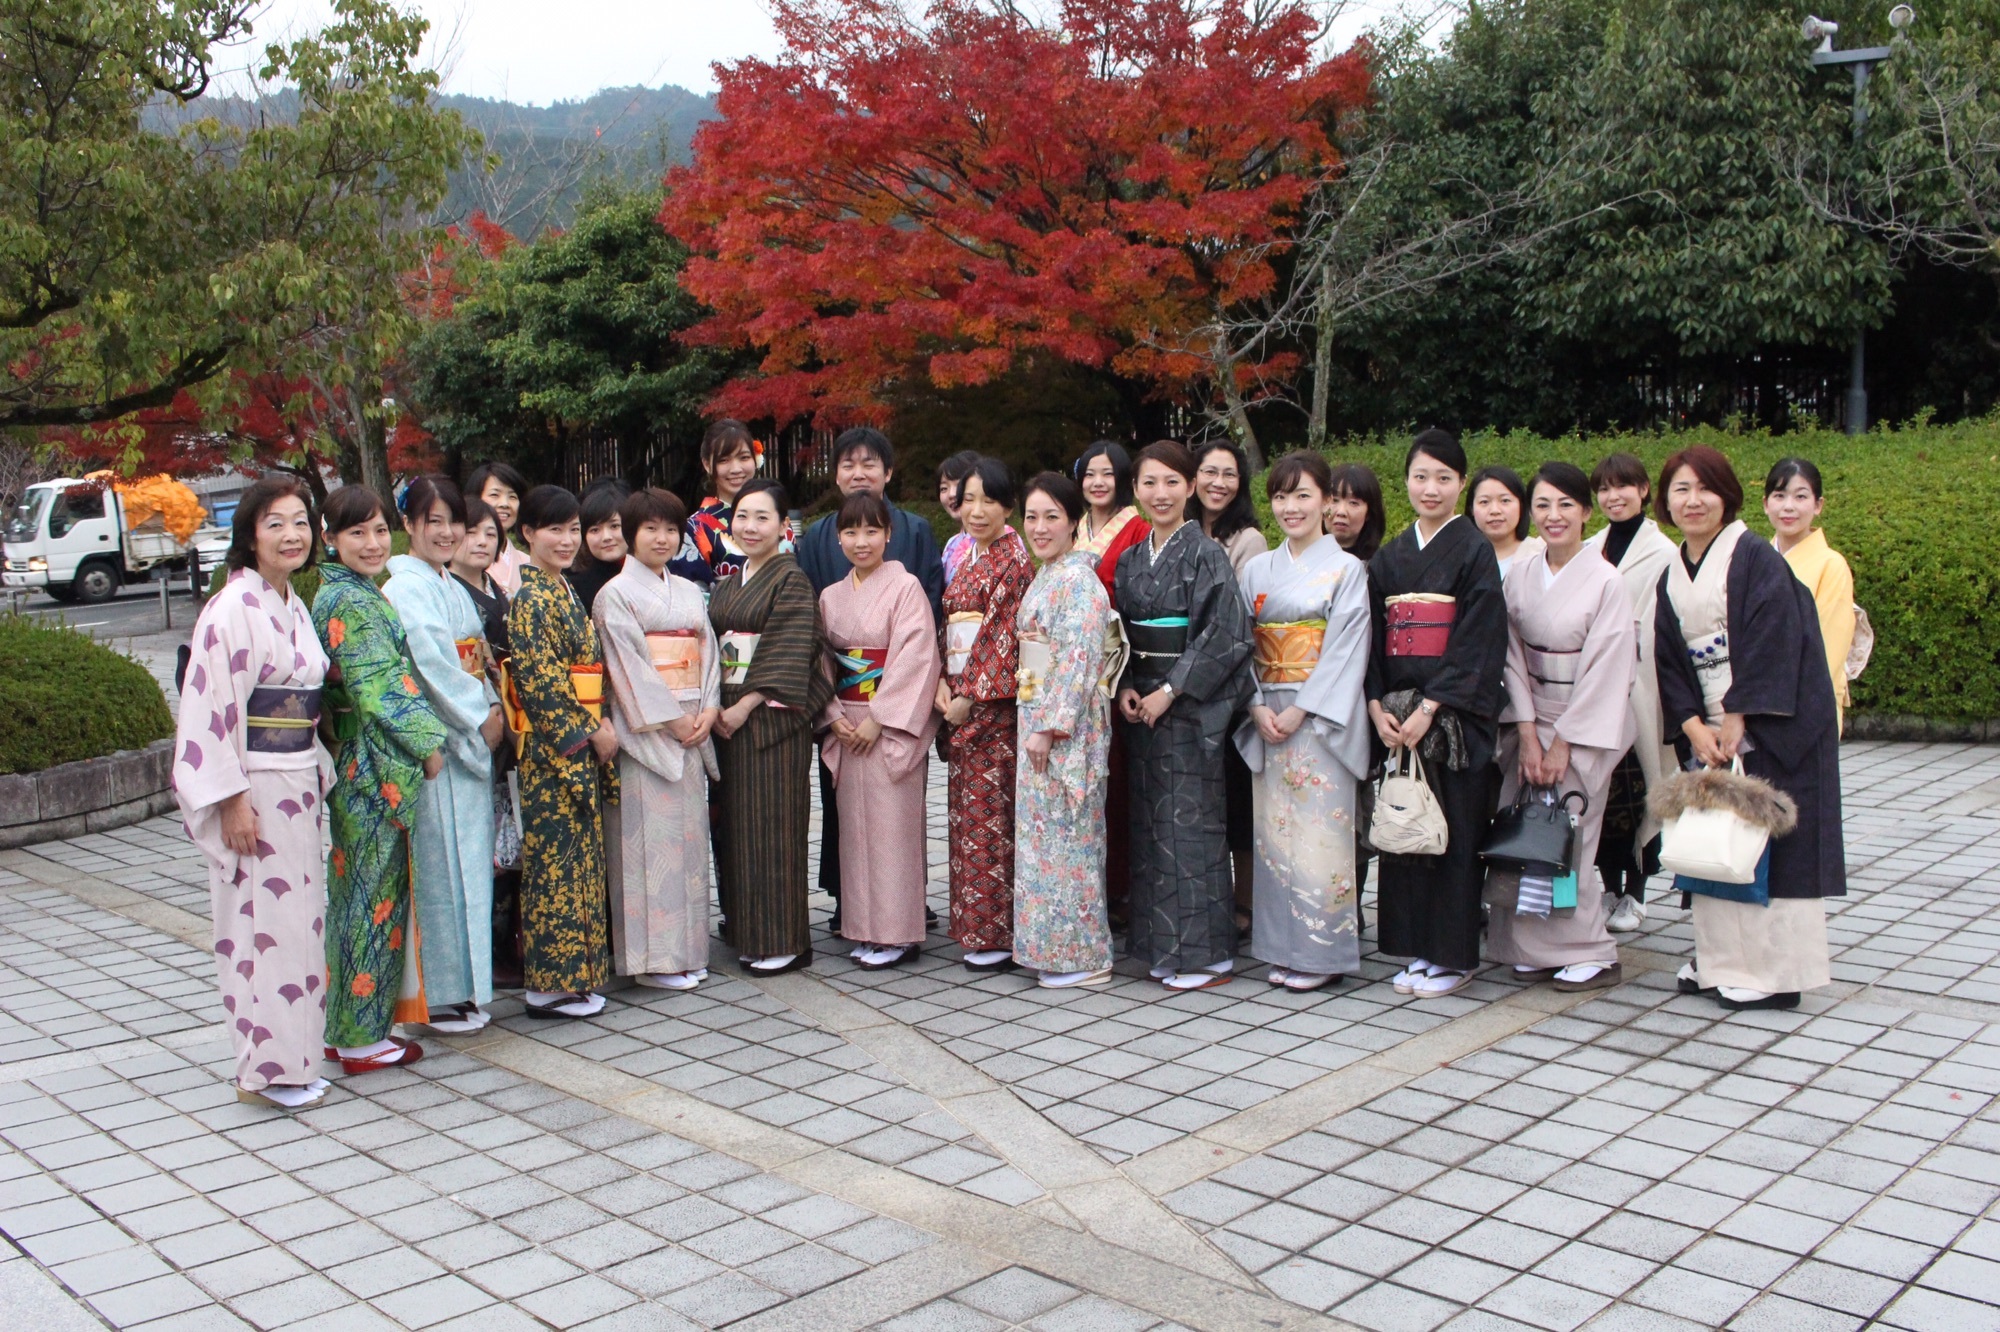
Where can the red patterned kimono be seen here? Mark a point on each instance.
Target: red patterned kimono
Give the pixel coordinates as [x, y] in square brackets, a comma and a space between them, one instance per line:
[981, 752]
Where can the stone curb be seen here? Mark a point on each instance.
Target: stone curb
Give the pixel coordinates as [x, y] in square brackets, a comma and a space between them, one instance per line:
[1929, 730]
[93, 795]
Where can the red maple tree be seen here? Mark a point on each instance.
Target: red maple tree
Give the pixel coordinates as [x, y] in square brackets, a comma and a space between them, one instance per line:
[889, 199]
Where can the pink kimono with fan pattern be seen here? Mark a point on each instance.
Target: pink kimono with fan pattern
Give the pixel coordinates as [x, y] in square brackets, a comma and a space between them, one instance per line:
[268, 908]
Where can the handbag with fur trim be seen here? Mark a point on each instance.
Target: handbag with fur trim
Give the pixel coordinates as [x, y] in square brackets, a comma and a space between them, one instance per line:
[1716, 822]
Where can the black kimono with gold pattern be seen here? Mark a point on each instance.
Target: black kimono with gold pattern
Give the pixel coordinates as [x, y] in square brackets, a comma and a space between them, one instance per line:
[565, 921]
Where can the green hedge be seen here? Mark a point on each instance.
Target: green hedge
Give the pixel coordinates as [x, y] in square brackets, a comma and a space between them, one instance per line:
[1916, 511]
[65, 697]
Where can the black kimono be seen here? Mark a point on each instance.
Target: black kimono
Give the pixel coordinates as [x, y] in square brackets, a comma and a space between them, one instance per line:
[1182, 904]
[1779, 683]
[1428, 906]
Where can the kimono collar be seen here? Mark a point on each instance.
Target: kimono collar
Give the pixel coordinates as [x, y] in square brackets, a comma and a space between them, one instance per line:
[1417, 531]
[284, 593]
[636, 568]
[333, 571]
[1156, 548]
[1812, 543]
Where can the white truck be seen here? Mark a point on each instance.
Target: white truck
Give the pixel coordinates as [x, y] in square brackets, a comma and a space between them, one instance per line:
[71, 539]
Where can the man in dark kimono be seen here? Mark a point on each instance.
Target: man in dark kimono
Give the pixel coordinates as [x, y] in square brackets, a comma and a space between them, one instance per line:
[1428, 907]
[864, 461]
[1183, 893]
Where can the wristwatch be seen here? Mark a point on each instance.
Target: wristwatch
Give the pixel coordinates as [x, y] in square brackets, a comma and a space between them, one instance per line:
[1428, 708]
[1168, 690]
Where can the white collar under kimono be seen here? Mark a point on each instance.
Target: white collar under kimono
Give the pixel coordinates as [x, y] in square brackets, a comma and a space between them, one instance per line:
[1417, 531]
[1702, 603]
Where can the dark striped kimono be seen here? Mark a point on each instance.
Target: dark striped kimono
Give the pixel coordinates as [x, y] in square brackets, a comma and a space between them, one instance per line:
[766, 796]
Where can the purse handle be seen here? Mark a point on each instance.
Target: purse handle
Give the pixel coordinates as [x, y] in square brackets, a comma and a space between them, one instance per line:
[1416, 764]
[1560, 798]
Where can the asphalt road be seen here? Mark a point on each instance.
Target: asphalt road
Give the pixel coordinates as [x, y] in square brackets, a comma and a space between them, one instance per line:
[135, 611]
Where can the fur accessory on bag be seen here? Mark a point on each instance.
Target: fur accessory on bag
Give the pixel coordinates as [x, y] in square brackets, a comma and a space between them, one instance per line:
[1751, 799]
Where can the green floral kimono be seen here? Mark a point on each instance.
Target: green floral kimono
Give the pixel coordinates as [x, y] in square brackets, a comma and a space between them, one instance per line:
[565, 920]
[385, 730]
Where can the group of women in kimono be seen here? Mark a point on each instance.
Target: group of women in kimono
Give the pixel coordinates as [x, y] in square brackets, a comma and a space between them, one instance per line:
[491, 713]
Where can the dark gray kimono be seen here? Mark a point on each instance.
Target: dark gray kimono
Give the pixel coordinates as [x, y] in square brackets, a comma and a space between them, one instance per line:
[1779, 683]
[1183, 915]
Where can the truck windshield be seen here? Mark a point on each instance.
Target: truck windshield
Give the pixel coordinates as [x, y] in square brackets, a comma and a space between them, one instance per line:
[25, 522]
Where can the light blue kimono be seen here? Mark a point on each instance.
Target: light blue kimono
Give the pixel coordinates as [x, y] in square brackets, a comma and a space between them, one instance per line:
[451, 846]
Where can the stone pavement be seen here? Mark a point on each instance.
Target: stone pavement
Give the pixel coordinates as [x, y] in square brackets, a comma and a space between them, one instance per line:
[920, 1149]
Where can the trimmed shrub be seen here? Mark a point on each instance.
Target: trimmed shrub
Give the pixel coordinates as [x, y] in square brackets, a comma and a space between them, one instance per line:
[1912, 509]
[65, 697]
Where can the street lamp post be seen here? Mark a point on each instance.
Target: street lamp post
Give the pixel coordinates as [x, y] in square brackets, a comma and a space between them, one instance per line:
[1860, 62]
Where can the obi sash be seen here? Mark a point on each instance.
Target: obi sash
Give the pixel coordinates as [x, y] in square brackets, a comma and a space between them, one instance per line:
[961, 631]
[472, 655]
[738, 651]
[1288, 650]
[676, 656]
[860, 673]
[1551, 673]
[1156, 646]
[585, 681]
[1036, 663]
[1420, 623]
[280, 719]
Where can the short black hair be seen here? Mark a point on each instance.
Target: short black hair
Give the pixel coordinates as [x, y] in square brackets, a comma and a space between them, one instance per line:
[426, 493]
[1787, 470]
[864, 508]
[1510, 481]
[1439, 444]
[601, 501]
[478, 511]
[1358, 481]
[994, 479]
[958, 466]
[864, 438]
[1621, 469]
[651, 505]
[547, 506]
[350, 506]
[1567, 478]
[250, 510]
[1067, 494]
[475, 485]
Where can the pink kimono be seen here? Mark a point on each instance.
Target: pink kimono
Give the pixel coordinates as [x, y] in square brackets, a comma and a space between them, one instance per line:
[1572, 651]
[882, 646]
[247, 709]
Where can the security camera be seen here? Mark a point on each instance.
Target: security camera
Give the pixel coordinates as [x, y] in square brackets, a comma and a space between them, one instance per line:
[1820, 30]
[1901, 17]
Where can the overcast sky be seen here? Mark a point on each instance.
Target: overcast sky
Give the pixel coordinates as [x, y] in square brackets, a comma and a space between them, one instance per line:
[542, 51]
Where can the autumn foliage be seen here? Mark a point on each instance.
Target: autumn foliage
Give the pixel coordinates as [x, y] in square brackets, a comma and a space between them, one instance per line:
[944, 199]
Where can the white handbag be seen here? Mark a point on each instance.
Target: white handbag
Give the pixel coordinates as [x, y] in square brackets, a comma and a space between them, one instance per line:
[1704, 831]
[1408, 819]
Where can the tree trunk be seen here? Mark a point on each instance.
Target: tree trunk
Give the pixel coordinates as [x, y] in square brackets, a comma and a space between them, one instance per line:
[1322, 360]
[371, 444]
[1241, 432]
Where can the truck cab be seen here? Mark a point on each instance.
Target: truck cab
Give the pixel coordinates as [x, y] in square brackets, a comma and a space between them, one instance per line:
[69, 537]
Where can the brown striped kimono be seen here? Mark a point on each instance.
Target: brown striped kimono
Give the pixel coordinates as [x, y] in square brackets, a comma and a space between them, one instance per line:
[767, 765]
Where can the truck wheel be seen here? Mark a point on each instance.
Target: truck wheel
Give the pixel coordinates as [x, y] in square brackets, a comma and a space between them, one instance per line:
[95, 582]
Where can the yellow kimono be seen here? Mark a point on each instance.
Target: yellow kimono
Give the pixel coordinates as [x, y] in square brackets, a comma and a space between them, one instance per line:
[1822, 569]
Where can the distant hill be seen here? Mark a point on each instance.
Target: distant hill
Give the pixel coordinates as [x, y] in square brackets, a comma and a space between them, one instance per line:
[548, 154]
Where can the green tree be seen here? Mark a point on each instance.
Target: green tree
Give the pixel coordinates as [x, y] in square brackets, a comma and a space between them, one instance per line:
[577, 333]
[136, 260]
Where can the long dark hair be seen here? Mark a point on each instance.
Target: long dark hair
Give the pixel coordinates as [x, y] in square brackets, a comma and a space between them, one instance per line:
[1236, 515]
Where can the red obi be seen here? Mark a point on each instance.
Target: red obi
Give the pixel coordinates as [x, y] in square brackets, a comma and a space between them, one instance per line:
[860, 673]
[1420, 624]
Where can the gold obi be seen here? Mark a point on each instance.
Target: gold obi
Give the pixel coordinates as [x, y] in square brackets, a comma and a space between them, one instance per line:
[1287, 651]
[676, 655]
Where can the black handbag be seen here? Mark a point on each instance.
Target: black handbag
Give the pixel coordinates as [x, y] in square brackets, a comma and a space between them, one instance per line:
[1538, 829]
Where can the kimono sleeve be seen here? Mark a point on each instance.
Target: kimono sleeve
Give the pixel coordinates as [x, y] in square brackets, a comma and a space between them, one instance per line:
[992, 672]
[1680, 691]
[1766, 624]
[787, 663]
[1334, 694]
[1475, 656]
[1599, 714]
[1221, 641]
[1520, 701]
[907, 699]
[1078, 614]
[540, 670]
[362, 638]
[208, 756]
[1833, 595]
[644, 701]
[459, 699]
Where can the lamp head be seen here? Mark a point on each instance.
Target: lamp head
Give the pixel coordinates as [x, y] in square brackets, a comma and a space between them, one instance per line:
[1819, 30]
[1901, 17]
